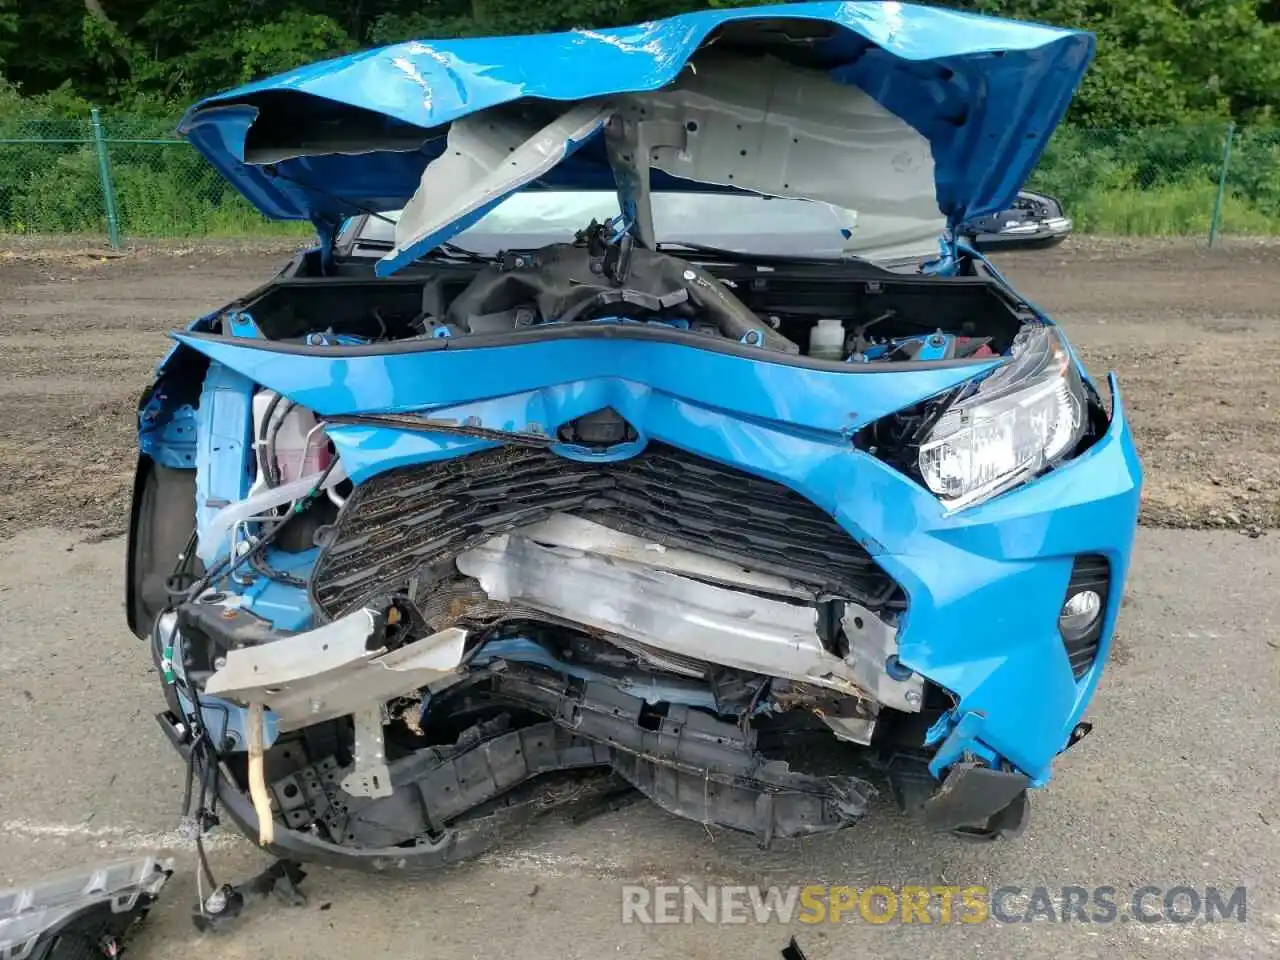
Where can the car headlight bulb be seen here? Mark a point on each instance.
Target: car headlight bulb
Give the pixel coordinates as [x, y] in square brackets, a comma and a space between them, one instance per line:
[1023, 417]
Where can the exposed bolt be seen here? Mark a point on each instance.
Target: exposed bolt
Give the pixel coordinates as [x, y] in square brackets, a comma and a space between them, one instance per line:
[912, 697]
[690, 275]
[219, 663]
[316, 705]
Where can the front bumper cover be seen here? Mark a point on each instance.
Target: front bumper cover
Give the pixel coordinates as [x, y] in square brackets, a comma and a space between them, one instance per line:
[984, 584]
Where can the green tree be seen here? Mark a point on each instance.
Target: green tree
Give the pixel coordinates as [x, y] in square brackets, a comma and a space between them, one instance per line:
[1158, 61]
[8, 30]
[1165, 61]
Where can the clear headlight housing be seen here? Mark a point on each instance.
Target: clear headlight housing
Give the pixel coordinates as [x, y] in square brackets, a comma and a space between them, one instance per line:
[1025, 416]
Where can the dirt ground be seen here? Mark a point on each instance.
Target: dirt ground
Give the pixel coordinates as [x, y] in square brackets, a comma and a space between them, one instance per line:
[1193, 334]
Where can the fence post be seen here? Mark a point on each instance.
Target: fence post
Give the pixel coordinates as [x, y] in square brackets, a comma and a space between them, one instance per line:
[104, 174]
[1222, 185]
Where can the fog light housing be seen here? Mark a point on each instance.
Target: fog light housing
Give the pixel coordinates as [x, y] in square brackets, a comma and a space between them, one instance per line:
[1083, 610]
[1079, 614]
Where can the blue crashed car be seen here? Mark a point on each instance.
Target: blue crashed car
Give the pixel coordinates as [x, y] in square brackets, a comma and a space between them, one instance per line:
[566, 455]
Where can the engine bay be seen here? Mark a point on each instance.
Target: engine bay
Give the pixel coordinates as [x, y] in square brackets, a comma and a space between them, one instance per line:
[838, 311]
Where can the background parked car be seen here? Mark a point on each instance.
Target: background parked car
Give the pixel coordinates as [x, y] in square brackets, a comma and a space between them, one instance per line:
[1034, 221]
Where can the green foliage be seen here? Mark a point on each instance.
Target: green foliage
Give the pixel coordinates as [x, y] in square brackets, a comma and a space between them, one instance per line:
[1158, 61]
[473, 18]
[1170, 72]
[1152, 182]
[8, 29]
[49, 183]
[1167, 61]
[1162, 181]
[60, 103]
[294, 39]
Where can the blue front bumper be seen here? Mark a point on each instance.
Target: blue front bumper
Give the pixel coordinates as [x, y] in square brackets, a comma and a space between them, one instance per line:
[985, 588]
[985, 585]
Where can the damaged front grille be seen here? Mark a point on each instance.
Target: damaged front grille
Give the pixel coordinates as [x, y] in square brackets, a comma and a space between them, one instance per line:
[401, 530]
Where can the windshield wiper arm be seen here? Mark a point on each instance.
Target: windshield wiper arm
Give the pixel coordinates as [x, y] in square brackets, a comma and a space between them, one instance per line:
[444, 251]
[455, 252]
[739, 256]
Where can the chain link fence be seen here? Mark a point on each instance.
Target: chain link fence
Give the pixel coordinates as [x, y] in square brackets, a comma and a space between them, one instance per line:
[129, 177]
[1205, 181]
[119, 177]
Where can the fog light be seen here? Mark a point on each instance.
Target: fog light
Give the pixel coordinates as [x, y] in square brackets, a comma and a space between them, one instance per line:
[1079, 614]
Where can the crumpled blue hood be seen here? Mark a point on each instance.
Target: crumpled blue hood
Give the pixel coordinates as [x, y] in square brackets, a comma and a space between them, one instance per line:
[326, 140]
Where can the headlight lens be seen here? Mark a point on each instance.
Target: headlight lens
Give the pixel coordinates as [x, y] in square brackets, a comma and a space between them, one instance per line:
[1020, 419]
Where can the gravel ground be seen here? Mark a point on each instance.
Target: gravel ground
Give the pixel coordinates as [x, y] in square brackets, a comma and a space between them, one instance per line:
[1176, 786]
[1194, 335]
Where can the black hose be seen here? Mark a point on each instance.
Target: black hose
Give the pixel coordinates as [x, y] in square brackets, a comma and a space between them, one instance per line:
[174, 584]
[203, 758]
[260, 447]
[208, 775]
[732, 317]
[273, 431]
[261, 566]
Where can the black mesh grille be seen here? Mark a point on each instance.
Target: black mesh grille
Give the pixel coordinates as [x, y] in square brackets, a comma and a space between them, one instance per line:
[1090, 572]
[412, 520]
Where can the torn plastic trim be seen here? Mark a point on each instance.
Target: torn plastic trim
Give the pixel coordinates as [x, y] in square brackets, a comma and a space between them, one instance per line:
[334, 670]
[980, 803]
[677, 689]
[956, 734]
[433, 787]
[455, 845]
[686, 761]
[689, 763]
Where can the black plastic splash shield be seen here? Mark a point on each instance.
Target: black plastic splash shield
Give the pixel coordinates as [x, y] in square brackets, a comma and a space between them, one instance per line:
[689, 762]
[453, 803]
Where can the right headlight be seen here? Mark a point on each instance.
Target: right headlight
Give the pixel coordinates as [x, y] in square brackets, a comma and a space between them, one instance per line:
[1026, 415]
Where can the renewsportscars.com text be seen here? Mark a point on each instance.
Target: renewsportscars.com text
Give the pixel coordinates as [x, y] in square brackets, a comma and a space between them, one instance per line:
[882, 904]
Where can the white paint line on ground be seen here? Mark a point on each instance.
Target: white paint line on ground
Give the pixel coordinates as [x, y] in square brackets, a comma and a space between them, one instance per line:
[551, 864]
[120, 838]
[111, 837]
